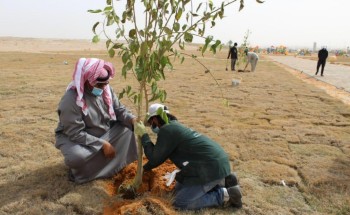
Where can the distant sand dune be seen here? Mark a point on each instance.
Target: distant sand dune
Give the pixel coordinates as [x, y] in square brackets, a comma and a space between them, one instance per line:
[15, 44]
[33, 45]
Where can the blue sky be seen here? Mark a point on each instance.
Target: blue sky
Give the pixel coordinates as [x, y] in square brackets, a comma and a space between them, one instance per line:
[294, 23]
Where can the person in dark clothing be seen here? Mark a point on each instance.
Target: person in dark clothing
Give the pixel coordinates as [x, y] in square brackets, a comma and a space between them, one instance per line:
[234, 57]
[203, 178]
[322, 57]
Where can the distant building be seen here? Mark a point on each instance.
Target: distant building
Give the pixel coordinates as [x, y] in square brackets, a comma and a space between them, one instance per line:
[314, 47]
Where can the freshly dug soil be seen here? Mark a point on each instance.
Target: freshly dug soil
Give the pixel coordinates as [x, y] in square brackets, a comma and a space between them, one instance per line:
[152, 189]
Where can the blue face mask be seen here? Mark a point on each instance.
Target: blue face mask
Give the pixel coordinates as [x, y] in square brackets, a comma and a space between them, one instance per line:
[97, 91]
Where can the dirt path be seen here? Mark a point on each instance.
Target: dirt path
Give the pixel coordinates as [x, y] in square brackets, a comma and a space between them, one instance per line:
[288, 141]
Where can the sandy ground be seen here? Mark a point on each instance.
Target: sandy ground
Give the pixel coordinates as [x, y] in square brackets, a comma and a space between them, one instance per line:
[288, 140]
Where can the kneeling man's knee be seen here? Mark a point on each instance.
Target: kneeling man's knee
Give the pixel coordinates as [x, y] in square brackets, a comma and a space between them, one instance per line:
[74, 160]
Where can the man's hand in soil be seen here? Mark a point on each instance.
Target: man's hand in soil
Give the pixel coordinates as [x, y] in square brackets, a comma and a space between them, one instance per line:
[108, 150]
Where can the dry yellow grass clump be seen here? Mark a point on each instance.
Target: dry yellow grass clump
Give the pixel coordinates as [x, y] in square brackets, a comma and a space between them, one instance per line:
[288, 140]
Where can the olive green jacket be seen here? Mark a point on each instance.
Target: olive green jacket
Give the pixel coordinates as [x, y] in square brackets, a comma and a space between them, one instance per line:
[207, 161]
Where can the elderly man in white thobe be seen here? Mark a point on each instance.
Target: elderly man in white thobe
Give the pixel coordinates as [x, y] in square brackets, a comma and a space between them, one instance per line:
[252, 59]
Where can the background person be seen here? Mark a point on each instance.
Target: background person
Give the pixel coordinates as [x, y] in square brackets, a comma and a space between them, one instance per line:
[94, 131]
[204, 179]
[252, 59]
[322, 57]
[234, 57]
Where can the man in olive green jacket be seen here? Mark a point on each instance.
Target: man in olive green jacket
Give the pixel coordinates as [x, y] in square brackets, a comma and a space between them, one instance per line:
[204, 178]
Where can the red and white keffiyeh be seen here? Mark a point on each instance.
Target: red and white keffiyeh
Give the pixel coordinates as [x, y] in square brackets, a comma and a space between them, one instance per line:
[89, 69]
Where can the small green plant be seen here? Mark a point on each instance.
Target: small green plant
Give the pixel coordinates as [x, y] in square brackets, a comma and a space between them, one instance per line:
[242, 58]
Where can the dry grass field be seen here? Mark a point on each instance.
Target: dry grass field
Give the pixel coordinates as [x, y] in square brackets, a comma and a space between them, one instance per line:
[288, 140]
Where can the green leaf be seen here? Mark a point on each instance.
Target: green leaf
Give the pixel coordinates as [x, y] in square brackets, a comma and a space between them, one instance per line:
[108, 2]
[132, 33]
[95, 11]
[202, 31]
[154, 97]
[163, 115]
[124, 71]
[181, 44]
[128, 89]
[94, 27]
[217, 42]
[96, 39]
[131, 94]
[125, 58]
[122, 32]
[213, 49]
[194, 14]
[108, 8]
[144, 49]
[167, 30]
[163, 96]
[211, 4]
[111, 52]
[188, 37]
[154, 87]
[116, 18]
[138, 99]
[154, 14]
[121, 94]
[199, 6]
[221, 14]
[118, 45]
[150, 44]
[208, 39]
[241, 6]
[142, 33]
[160, 24]
[176, 26]
[204, 48]
[166, 6]
[108, 42]
[164, 61]
[178, 14]
[110, 20]
[134, 47]
[147, 5]
[161, 72]
[129, 65]
[124, 17]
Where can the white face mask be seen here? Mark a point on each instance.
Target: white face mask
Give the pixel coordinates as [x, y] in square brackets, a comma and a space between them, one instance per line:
[97, 91]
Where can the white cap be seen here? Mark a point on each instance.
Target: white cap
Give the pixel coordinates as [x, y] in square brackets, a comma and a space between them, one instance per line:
[153, 108]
